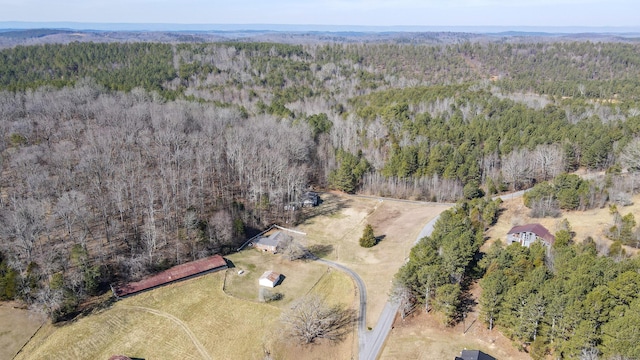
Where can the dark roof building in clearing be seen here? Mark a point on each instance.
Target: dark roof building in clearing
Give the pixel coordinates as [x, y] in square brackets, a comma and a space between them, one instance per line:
[528, 234]
[474, 355]
[176, 273]
[270, 243]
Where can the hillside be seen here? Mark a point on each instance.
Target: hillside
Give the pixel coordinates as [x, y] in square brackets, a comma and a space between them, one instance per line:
[121, 159]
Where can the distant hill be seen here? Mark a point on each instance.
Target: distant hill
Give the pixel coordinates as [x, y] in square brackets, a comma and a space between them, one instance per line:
[12, 34]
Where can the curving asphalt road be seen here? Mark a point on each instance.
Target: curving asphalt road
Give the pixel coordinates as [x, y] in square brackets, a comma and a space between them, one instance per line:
[375, 339]
[370, 343]
[362, 290]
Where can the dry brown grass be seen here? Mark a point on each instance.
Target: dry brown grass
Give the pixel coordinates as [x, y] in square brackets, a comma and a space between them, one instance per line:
[226, 327]
[18, 325]
[592, 222]
[399, 223]
[300, 276]
[336, 288]
[424, 336]
[188, 319]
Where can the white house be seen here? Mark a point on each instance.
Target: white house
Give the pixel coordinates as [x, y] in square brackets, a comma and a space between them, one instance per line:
[527, 234]
[270, 279]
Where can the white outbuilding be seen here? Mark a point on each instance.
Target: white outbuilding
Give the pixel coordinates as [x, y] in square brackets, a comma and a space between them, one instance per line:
[270, 279]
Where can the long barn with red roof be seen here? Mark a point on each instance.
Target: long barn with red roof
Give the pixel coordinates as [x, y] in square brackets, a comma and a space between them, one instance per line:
[176, 273]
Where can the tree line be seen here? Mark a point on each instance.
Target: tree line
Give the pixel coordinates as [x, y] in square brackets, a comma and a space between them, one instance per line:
[101, 186]
[129, 158]
[567, 301]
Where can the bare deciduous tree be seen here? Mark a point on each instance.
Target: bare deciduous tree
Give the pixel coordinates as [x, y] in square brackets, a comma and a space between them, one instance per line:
[630, 155]
[405, 298]
[548, 161]
[516, 168]
[291, 249]
[310, 318]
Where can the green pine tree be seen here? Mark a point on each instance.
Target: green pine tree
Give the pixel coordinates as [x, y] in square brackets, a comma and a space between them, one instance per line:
[368, 239]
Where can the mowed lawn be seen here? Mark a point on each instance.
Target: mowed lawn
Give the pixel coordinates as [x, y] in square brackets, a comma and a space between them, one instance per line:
[16, 327]
[225, 326]
[196, 319]
[335, 288]
[299, 276]
[397, 223]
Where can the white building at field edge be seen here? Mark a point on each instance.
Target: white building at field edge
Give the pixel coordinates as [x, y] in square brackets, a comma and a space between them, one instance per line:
[270, 279]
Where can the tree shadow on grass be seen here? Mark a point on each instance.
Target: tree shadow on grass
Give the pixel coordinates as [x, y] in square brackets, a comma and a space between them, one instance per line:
[331, 206]
[321, 250]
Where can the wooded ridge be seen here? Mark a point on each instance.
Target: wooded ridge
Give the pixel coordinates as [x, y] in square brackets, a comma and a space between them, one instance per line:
[123, 159]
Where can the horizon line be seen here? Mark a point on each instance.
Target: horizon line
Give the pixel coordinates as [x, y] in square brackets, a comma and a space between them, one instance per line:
[163, 26]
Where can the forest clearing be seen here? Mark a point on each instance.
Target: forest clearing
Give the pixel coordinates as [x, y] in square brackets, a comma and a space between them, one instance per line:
[425, 337]
[590, 223]
[121, 160]
[193, 319]
[333, 235]
[397, 223]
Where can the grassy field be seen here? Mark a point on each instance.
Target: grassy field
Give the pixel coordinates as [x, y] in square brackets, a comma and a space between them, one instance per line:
[334, 287]
[592, 222]
[337, 230]
[424, 337]
[196, 319]
[17, 326]
[254, 263]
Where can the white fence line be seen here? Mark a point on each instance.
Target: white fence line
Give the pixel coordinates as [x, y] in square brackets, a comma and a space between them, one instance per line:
[255, 237]
[290, 230]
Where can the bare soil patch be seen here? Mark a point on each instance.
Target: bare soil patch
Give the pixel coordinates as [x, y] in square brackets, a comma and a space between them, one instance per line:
[17, 327]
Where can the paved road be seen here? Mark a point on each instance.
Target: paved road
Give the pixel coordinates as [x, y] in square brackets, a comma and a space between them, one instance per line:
[362, 290]
[374, 340]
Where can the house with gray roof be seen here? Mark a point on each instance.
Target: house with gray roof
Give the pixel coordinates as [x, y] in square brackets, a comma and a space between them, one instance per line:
[269, 243]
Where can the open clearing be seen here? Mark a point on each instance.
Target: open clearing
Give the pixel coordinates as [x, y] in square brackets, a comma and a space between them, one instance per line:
[424, 337]
[592, 222]
[18, 326]
[336, 232]
[195, 319]
[254, 263]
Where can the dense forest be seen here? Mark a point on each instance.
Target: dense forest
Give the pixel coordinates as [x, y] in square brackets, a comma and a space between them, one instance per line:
[122, 159]
[568, 301]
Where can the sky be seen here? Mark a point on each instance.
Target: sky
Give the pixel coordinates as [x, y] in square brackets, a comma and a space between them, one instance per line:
[544, 13]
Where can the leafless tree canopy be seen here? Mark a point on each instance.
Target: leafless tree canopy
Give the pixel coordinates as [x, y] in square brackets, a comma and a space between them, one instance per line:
[138, 182]
[311, 318]
[292, 249]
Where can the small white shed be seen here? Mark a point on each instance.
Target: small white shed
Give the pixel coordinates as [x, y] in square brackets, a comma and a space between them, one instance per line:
[270, 279]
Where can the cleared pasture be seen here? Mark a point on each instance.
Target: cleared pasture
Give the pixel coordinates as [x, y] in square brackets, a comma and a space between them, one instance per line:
[397, 223]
